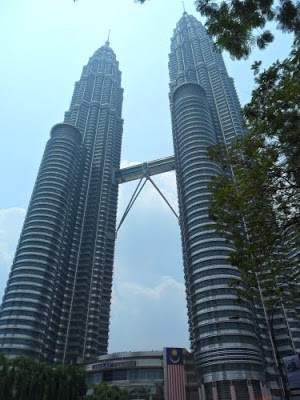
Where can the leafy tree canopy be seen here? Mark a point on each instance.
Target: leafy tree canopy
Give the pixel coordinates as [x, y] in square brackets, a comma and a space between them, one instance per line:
[234, 23]
[256, 200]
[103, 391]
[22, 378]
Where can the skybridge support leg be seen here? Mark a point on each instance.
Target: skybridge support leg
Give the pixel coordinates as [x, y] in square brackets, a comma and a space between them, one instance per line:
[136, 194]
[159, 191]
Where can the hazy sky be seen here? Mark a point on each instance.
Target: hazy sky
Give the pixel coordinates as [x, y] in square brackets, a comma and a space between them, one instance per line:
[44, 45]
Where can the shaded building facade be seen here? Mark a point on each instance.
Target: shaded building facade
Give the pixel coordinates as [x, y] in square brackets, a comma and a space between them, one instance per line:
[57, 301]
[144, 374]
[230, 341]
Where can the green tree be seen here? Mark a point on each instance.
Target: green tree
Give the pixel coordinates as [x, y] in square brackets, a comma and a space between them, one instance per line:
[22, 378]
[5, 379]
[260, 183]
[233, 23]
[103, 391]
[256, 200]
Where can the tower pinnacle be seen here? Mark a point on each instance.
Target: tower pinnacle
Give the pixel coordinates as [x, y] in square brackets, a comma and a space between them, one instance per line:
[108, 36]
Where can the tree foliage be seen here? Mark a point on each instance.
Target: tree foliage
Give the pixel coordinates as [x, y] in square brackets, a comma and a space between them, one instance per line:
[103, 391]
[256, 200]
[22, 378]
[239, 25]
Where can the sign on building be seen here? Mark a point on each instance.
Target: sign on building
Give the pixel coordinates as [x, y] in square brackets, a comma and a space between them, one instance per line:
[292, 368]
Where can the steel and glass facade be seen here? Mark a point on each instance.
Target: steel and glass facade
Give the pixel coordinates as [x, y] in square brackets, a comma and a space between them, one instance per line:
[33, 298]
[56, 305]
[57, 301]
[231, 344]
[96, 111]
[205, 111]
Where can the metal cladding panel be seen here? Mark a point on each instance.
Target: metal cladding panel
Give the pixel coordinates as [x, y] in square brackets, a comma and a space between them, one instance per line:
[224, 333]
[201, 100]
[57, 302]
[96, 111]
[33, 299]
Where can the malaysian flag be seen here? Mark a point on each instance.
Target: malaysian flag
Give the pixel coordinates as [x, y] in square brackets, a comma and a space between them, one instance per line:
[174, 374]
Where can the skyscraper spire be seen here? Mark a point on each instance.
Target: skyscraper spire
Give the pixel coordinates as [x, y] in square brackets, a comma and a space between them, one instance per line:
[108, 36]
[183, 5]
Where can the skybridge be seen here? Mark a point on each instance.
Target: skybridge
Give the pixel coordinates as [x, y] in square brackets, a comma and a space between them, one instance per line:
[143, 172]
[145, 169]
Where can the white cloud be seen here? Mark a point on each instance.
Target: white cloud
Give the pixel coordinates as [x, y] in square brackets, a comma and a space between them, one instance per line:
[126, 163]
[167, 185]
[11, 221]
[157, 292]
[148, 317]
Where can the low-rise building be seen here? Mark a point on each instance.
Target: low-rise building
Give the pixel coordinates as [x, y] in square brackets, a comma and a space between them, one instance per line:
[148, 375]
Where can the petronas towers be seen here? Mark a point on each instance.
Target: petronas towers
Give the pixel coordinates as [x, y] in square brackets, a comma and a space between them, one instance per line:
[57, 301]
[56, 305]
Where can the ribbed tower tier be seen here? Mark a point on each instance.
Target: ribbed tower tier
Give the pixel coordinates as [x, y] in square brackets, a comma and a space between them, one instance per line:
[205, 111]
[57, 302]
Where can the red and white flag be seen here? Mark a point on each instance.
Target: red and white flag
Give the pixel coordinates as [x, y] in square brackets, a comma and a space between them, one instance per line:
[174, 374]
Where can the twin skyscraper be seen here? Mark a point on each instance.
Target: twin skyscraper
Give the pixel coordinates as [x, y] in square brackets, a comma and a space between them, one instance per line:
[57, 302]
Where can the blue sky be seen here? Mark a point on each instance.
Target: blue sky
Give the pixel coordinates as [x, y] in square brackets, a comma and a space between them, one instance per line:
[44, 45]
